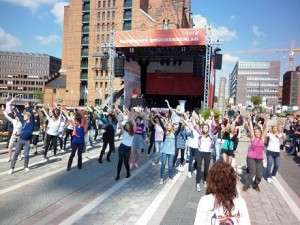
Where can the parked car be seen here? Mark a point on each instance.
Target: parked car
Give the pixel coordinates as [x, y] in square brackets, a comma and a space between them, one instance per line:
[249, 107]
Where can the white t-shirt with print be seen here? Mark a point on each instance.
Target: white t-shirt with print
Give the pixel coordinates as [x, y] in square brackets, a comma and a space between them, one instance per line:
[207, 215]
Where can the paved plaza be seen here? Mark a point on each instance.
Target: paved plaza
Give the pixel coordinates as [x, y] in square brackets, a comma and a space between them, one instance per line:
[48, 194]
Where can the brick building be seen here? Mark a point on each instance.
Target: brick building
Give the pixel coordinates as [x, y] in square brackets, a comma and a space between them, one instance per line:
[291, 87]
[88, 26]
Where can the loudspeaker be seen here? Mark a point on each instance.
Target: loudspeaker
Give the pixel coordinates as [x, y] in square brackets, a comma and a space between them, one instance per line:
[138, 102]
[199, 66]
[218, 61]
[119, 66]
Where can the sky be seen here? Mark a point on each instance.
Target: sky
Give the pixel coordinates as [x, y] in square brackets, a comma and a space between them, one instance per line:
[241, 25]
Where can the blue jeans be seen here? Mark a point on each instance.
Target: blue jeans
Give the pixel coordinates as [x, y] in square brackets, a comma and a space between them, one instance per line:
[270, 160]
[217, 151]
[158, 146]
[164, 158]
[191, 158]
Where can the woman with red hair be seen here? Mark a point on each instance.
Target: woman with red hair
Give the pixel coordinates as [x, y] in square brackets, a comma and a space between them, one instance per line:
[221, 203]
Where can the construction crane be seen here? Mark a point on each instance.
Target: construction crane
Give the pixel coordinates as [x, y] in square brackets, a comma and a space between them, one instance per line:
[291, 51]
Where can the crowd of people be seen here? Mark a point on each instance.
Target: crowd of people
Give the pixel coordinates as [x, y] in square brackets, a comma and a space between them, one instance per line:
[173, 138]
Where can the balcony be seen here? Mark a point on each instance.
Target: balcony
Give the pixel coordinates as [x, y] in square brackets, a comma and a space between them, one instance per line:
[84, 65]
[84, 42]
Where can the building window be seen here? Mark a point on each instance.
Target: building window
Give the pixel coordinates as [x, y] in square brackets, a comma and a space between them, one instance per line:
[113, 15]
[104, 4]
[113, 26]
[127, 25]
[114, 3]
[98, 15]
[107, 38]
[108, 27]
[99, 4]
[108, 3]
[98, 38]
[98, 26]
[103, 15]
[103, 26]
[97, 101]
[108, 15]
[102, 38]
[166, 24]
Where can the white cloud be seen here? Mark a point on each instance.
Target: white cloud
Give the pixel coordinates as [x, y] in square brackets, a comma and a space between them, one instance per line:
[232, 17]
[200, 21]
[221, 32]
[30, 4]
[47, 40]
[257, 32]
[229, 58]
[58, 11]
[7, 41]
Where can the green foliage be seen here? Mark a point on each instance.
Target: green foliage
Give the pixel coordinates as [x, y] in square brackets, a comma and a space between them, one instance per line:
[256, 100]
[215, 99]
[39, 95]
[206, 113]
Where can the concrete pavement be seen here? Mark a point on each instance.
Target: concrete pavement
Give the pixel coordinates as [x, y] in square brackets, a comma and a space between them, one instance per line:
[50, 195]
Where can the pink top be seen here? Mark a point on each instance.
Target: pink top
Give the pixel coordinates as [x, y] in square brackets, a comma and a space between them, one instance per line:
[256, 149]
[159, 133]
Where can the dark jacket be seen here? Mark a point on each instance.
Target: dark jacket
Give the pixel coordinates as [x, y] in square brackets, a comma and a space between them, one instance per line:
[27, 127]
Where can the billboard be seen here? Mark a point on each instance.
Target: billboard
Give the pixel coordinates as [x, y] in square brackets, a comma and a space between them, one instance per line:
[160, 38]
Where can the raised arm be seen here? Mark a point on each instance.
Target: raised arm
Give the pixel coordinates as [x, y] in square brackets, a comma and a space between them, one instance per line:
[6, 114]
[168, 104]
[46, 114]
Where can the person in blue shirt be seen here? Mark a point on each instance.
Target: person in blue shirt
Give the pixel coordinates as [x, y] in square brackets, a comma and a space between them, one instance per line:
[28, 124]
[79, 130]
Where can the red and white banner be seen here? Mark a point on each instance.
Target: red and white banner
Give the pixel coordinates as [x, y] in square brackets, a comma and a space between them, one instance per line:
[157, 38]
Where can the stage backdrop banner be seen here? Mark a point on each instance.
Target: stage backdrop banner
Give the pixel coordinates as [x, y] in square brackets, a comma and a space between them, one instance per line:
[132, 81]
[160, 38]
[174, 84]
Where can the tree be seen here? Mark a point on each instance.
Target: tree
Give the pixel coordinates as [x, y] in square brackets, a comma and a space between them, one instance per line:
[256, 100]
[39, 95]
[215, 99]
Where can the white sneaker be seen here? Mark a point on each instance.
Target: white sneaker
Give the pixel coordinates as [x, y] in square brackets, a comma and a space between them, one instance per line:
[153, 163]
[159, 162]
[274, 178]
[9, 159]
[269, 179]
[27, 169]
[189, 174]
[10, 171]
[198, 187]
[180, 168]
[195, 172]
[205, 184]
